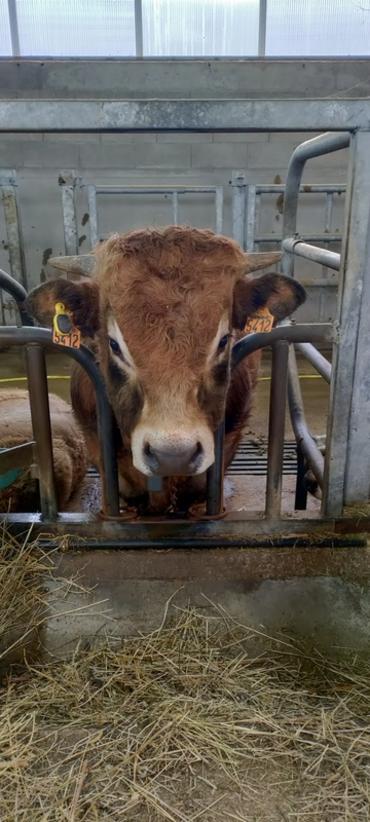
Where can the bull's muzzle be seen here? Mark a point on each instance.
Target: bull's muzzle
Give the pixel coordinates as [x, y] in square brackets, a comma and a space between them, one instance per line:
[178, 459]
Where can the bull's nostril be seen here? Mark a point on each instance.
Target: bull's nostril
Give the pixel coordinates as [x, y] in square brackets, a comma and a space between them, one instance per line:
[150, 457]
[197, 455]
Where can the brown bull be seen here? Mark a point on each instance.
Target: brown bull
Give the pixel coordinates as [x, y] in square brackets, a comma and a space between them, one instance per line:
[161, 313]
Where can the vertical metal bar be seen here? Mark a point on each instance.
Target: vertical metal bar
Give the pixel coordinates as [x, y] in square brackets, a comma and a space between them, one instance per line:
[93, 215]
[68, 181]
[215, 476]
[239, 195]
[13, 225]
[275, 454]
[13, 26]
[139, 28]
[262, 28]
[14, 239]
[40, 414]
[347, 474]
[219, 200]
[175, 207]
[328, 212]
[300, 502]
[251, 218]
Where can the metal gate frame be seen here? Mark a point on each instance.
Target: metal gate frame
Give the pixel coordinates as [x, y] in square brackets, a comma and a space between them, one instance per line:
[70, 182]
[347, 472]
[13, 227]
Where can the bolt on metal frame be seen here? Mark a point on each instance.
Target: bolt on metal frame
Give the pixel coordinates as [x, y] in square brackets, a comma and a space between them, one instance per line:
[70, 183]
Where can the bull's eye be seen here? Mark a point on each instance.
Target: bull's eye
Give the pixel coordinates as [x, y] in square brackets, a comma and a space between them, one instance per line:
[115, 347]
[223, 343]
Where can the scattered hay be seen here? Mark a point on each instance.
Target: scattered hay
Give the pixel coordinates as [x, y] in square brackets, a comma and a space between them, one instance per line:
[187, 723]
[184, 724]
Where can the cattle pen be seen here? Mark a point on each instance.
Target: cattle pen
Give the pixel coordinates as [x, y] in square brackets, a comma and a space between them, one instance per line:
[211, 665]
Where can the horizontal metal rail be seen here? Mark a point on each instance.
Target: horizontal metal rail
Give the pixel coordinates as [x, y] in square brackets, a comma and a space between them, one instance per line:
[172, 191]
[311, 188]
[314, 238]
[310, 252]
[184, 115]
[320, 363]
[316, 332]
[37, 337]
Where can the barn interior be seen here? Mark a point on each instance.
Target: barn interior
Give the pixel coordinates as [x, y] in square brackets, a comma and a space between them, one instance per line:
[211, 667]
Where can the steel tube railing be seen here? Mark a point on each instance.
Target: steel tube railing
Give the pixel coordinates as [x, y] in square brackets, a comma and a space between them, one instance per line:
[215, 476]
[317, 332]
[105, 420]
[320, 363]
[19, 294]
[311, 252]
[275, 454]
[305, 442]
[41, 425]
[324, 144]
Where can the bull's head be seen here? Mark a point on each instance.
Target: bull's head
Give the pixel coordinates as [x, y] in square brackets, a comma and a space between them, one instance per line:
[163, 307]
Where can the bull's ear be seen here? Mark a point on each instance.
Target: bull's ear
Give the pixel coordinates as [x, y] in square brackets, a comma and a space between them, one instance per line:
[281, 295]
[81, 299]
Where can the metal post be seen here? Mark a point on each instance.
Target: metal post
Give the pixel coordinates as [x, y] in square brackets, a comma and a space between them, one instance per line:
[40, 413]
[239, 193]
[93, 215]
[14, 236]
[68, 181]
[215, 476]
[262, 28]
[305, 441]
[275, 456]
[13, 26]
[347, 474]
[300, 502]
[138, 28]
[219, 199]
[175, 207]
[251, 218]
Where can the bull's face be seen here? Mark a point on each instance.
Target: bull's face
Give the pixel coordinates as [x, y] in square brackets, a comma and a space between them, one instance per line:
[163, 309]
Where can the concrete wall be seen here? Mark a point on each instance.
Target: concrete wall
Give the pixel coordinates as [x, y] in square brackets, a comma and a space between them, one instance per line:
[147, 159]
[187, 158]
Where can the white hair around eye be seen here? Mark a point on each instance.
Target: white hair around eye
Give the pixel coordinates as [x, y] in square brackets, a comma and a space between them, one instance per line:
[118, 346]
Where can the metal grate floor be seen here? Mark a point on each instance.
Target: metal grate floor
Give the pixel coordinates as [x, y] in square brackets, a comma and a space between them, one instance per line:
[251, 458]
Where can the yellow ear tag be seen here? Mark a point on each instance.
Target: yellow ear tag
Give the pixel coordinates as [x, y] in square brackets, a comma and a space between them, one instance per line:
[262, 320]
[64, 332]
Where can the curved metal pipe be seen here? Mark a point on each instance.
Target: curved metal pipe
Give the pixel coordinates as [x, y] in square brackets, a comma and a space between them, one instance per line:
[319, 332]
[105, 420]
[305, 441]
[19, 294]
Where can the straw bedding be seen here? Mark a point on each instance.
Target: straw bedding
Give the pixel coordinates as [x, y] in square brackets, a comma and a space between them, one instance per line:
[187, 723]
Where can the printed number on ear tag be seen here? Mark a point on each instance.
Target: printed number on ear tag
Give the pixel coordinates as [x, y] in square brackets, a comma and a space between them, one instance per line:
[64, 332]
[262, 320]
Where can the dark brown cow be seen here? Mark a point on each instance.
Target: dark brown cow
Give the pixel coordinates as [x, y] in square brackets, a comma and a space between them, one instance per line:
[161, 313]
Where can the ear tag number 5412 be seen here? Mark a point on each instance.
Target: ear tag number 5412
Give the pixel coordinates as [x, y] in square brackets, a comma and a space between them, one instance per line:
[64, 332]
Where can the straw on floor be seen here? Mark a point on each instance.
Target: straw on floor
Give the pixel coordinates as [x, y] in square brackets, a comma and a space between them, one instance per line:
[188, 723]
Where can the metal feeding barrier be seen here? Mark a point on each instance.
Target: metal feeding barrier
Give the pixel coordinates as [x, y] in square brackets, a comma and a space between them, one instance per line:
[70, 183]
[344, 471]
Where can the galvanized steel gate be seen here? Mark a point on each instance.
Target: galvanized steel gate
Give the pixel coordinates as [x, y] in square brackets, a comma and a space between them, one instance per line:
[345, 477]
